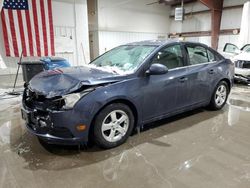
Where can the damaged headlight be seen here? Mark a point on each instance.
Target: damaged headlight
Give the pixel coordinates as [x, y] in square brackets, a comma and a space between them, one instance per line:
[71, 99]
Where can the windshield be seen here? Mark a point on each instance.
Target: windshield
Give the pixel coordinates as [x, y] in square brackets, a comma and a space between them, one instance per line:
[123, 59]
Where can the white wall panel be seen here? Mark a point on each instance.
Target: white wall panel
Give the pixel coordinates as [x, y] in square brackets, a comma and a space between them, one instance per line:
[132, 16]
[63, 13]
[205, 40]
[233, 2]
[124, 21]
[231, 18]
[82, 32]
[200, 22]
[109, 40]
[71, 22]
[65, 43]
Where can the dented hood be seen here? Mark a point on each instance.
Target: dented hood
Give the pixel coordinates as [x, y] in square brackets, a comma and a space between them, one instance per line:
[60, 82]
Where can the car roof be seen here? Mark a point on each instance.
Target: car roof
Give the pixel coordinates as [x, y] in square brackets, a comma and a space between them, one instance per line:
[153, 42]
[162, 42]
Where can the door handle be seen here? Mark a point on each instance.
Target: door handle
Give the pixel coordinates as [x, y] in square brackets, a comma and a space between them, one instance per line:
[211, 71]
[183, 79]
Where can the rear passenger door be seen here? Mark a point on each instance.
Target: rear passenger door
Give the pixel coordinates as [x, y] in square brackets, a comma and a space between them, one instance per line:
[201, 71]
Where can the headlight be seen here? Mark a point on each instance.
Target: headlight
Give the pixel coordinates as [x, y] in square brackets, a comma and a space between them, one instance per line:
[71, 99]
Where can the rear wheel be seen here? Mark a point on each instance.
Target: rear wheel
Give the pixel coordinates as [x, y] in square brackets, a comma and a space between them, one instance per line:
[220, 96]
[113, 125]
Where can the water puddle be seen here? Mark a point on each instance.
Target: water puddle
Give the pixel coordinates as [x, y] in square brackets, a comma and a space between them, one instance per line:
[240, 104]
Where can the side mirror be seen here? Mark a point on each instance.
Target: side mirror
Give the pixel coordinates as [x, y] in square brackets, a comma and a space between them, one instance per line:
[157, 69]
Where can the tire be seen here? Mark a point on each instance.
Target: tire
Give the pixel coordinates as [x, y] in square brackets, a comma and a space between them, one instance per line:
[113, 125]
[219, 97]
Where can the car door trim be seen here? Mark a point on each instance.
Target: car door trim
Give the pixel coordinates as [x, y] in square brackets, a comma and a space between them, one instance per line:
[212, 62]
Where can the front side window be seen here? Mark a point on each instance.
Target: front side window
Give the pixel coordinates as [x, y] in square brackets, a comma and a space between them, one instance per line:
[197, 54]
[170, 56]
[123, 59]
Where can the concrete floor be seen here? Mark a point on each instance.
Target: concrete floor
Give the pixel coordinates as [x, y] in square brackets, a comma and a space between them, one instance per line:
[196, 149]
[7, 81]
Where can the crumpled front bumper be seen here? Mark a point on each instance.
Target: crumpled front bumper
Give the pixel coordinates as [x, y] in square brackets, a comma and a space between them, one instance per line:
[242, 75]
[55, 127]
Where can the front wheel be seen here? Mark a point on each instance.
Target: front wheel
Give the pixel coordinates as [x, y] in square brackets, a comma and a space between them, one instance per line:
[113, 125]
[220, 96]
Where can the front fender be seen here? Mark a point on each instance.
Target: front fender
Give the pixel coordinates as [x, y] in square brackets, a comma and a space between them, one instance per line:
[90, 105]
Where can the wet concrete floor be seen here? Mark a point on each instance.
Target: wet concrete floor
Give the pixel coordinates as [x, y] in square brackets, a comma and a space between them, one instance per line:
[194, 150]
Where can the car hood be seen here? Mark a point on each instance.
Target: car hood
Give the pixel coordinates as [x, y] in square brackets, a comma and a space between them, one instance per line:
[63, 81]
[244, 56]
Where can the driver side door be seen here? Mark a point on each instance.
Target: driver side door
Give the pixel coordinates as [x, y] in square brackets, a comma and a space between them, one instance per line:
[230, 50]
[164, 94]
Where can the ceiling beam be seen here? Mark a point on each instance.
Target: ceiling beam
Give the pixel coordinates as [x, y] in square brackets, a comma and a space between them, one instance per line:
[175, 2]
[215, 7]
[213, 4]
[204, 33]
[215, 30]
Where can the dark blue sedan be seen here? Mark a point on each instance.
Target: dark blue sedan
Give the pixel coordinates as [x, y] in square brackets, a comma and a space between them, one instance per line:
[123, 89]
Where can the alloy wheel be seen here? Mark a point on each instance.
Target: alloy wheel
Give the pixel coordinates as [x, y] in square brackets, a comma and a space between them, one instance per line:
[220, 95]
[115, 126]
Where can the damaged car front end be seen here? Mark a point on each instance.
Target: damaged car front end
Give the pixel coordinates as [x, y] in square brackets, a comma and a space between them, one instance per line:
[49, 105]
[59, 106]
[242, 67]
[241, 60]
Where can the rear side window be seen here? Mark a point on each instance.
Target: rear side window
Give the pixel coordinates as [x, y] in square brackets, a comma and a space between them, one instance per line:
[197, 55]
